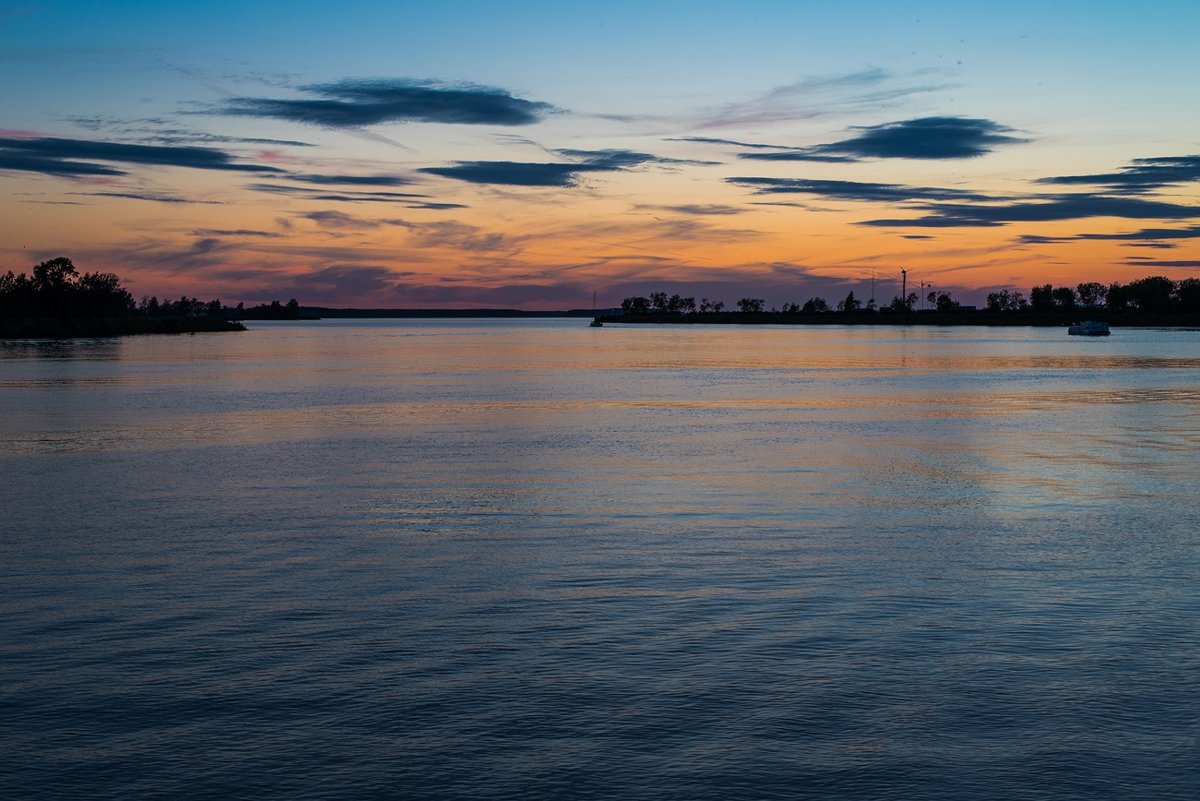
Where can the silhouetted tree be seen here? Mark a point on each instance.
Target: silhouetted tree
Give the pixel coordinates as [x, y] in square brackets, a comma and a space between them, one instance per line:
[1091, 293]
[1064, 298]
[850, 304]
[1041, 298]
[750, 305]
[815, 306]
[1152, 294]
[1117, 299]
[636, 305]
[943, 302]
[1187, 295]
[1006, 300]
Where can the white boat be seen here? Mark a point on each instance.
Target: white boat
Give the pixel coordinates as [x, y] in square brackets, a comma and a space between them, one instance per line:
[1089, 328]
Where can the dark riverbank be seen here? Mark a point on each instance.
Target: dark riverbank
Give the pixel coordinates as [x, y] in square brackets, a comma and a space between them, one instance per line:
[922, 318]
[80, 327]
[325, 312]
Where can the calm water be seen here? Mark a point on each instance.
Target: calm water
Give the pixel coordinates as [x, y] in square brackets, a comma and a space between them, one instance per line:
[533, 560]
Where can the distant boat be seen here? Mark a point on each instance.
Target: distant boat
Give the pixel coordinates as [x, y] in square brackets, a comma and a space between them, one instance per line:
[1089, 328]
[595, 320]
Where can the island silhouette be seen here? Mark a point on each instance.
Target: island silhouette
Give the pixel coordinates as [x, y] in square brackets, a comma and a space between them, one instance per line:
[57, 301]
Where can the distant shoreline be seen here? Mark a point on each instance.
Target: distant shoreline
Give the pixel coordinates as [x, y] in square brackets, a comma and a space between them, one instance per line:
[92, 327]
[933, 319]
[325, 312]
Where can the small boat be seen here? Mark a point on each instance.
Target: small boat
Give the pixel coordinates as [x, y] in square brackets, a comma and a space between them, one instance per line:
[1089, 328]
[596, 323]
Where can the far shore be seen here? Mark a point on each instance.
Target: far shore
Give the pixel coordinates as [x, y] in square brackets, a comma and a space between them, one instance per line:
[90, 327]
[919, 318]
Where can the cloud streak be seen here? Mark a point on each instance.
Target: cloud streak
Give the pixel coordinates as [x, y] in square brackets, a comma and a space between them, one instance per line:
[1145, 236]
[358, 103]
[1044, 209]
[1141, 175]
[923, 138]
[565, 174]
[853, 190]
[78, 157]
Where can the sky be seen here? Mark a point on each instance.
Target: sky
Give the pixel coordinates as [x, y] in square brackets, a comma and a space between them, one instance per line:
[530, 154]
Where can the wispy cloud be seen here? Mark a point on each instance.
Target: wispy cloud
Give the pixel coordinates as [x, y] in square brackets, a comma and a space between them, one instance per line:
[563, 174]
[1166, 264]
[1141, 175]
[853, 190]
[156, 198]
[345, 196]
[1143, 236]
[339, 219]
[165, 131]
[822, 95]
[701, 209]
[218, 232]
[357, 103]
[350, 180]
[77, 157]
[1041, 209]
[709, 140]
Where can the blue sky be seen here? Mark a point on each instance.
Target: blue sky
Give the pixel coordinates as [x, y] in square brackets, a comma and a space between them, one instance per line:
[629, 168]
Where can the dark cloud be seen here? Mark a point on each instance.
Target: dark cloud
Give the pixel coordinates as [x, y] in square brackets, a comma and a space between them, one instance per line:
[799, 155]
[1043, 209]
[916, 236]
[352, 180]
[462, 236]
[74, 158]
[1143, 237]
[215, 232]
[28, 162]
[708, 140]
[1142, 175]
[55, 156]
[338, 219]
[555, 174]
[349, 196]
[437, 206]
[853, 190]
[206, 245]
[354, 103]
[923, 138]
[703, 209]
[155, 129]
[1188, 263]
[347, 279]
[621, 159]
[148, 196]
[931, 222]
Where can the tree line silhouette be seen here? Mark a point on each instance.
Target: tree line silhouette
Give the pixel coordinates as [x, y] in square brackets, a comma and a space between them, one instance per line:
[56, 300]
[1150, 298]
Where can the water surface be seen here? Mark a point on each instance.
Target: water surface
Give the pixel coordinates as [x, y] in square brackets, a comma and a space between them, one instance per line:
[529, 559]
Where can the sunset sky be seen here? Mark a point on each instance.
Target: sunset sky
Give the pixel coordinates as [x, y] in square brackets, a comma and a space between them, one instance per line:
[526, 154]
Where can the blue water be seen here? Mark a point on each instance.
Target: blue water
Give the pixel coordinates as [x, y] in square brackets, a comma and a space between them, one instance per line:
[528, 559]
